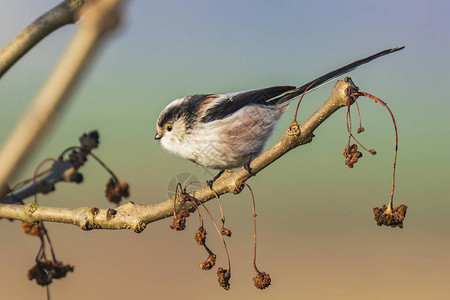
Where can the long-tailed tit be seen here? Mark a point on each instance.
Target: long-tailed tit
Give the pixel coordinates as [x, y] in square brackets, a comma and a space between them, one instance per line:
[225, 131]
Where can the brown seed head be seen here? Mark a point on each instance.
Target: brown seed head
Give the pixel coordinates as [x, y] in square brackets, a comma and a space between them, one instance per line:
[351, 155]
[44, 271]
[179, 222]
[262, 280]
[393, 219]
[224, 278]
[116, 190]
[209, 262]
[226, 232]
[200, 236]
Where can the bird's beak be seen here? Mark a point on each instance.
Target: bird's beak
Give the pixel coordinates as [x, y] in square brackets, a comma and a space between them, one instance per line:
[157, 136]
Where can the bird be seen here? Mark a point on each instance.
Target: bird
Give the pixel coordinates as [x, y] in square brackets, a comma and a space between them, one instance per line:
[227, 130]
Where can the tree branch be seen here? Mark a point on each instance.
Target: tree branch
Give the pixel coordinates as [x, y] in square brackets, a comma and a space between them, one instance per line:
[67, 12]
[102, 17]
[136, 217]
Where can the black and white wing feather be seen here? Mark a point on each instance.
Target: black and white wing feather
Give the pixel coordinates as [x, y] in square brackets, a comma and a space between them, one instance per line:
[227, 104]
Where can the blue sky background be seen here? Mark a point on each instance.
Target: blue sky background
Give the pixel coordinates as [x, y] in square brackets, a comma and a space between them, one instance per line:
[316, 237]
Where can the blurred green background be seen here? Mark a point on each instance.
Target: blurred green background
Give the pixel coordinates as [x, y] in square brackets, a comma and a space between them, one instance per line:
[316, 233]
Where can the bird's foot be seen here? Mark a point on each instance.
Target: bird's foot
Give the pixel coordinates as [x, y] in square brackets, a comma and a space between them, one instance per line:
[247, 166]
[210, 182]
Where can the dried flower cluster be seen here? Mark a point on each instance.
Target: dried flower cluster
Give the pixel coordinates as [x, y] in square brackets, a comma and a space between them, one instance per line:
[44, 271]
[226, 232]
[200, 236]
[209, 262]
[262, 280]
[179, 222]
[224, 278]
[393, 219]
[116, 190]
[351, 155]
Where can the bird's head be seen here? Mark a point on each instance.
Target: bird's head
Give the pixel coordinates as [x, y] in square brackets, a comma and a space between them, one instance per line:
[172, 125]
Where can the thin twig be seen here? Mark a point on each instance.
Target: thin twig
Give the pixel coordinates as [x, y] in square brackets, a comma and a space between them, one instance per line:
[220, 235]
[116, 180]
[28, 180]
[254, 228]
[300, 100]
[359, 116]
[390, 207]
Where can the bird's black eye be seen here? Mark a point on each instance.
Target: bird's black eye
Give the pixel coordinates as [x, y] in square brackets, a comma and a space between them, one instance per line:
[168, 127]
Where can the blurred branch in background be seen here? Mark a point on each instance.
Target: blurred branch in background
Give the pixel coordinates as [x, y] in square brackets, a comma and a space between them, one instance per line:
[103, 16]
[67, 12]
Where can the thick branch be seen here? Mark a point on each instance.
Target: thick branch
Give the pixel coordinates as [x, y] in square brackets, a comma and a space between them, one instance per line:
[67, 12]
[101, 18]
[130, 216]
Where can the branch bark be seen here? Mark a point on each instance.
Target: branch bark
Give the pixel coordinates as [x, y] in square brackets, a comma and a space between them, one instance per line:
[67, 12]
[136, 217]
[102, 18]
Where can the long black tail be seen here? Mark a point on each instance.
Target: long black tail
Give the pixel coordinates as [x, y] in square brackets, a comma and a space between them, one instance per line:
[334, 74]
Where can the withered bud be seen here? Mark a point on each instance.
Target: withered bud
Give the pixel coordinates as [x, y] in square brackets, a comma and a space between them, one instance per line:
[238, 187]
[373, 152]
[360, 129]
[179, 222]
[224, 278]
[33, 229]
[262, 280]
[200, 236]
[293, 129]
[111, 213]
[77, 158]
[115, 191]
[209, 262]
[76, 177]
[351, 155]
[393, 219]
[225, 231]
[89, 141]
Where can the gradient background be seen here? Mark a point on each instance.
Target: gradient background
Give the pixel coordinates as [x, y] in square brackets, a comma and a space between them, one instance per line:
[317, 237]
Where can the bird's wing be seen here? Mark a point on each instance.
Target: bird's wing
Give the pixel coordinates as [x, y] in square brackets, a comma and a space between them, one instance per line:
[223, 105]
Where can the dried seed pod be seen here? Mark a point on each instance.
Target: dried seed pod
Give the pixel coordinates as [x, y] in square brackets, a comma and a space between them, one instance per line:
[393, 219]
[179, 222]
[351, 155]
[262, 280]
[226, 232]
[44, 271]
[224, 278]
[116, 190]
[200, 236]
[209, 262]
[89, 141]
